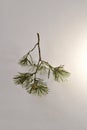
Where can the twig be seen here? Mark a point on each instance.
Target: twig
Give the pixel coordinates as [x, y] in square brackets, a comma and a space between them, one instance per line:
[31, 82]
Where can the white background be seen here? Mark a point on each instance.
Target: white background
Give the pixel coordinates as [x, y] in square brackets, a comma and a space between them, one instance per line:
[62, 25]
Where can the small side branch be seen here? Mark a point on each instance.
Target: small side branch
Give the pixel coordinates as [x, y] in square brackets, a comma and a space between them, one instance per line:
[32, 49]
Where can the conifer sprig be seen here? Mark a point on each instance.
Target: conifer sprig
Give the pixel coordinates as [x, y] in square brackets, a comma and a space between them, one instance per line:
[30, 80]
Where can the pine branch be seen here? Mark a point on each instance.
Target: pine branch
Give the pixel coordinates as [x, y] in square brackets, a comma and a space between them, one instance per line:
[30, 80]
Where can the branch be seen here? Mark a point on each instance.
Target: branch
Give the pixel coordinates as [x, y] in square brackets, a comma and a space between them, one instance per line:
[30, 80]
[38, 36]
